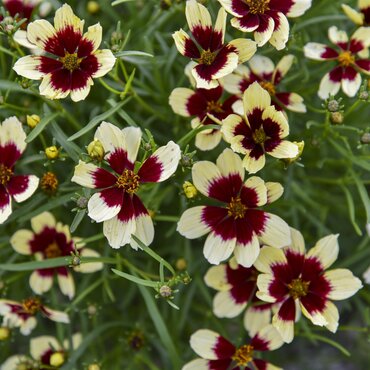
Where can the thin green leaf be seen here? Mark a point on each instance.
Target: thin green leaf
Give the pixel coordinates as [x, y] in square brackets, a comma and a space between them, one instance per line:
[40, 127]
[186, 138]
[71, 148]
[117, 2]
[328, 341]
[27, 266]
[135, 279]
[351, 210]
[77, 220]
[363, 194]
[128, 53]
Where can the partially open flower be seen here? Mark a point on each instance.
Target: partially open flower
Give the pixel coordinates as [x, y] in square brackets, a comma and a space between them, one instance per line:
[71, 59]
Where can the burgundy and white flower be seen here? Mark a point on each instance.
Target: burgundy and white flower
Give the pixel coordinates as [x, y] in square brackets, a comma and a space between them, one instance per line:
[298, 282]
[71, 59]
[116, 203]
[236, 224]
[266, 18]
[23, 314]
[215, 58]
[360, 17]
[261, 131]
[51, 239]
[18, 187]
[263, 70]
[236, 287]
[208, 106]
[20, 9]
[351, 57]
[217, 353]
[44, 351]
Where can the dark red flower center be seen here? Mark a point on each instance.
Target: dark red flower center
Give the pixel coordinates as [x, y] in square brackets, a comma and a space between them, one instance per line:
[31, 305]
[128, 181]
[71, 62]
[258, 6]
[243, 355]
[259, 136]
[298, 288]
[269, 87]
[5, 174]
[207, 57]
[346, 58]
[53, 250]
[214, 106]
[236, 208]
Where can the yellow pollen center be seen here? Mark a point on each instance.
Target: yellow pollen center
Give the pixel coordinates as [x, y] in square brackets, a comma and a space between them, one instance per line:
[5, 174]
[243, 355]
[128, 181]
[49, 183]
[71, 61]
[53, 250]
[346, 59]
[31, 305]
[269, 87]
[213, 106]
[259, 136]
[207, 57]
[258, 6]
[298, 288]
[236, 208]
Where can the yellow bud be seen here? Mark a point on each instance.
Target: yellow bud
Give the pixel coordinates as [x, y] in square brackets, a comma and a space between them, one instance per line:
[57, 359]
[189, 189]
[95, 150]
[181, 264]
[93, 7]
[33, 120]
[4, 333]
[93, 367]
[300, 145]
[52, 152]
[336, 118]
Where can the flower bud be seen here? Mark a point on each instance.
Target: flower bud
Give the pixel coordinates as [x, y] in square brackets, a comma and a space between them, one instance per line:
[82, 202]
[4, 333]
[95, 150]
[165, 291]
[33, 120]
[336, 118]
[57, 359]
[333, 106]
[93, 7]
[93, 367]
[181, 264]
[365, 138]
[190, 190]
[364, 95]
[52, 152]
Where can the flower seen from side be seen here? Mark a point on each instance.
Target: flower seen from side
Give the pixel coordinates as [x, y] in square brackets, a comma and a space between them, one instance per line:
[361, 17]
[70, 58]
[236, 224]
[217, 353]
[214, 58]
[266, 18]
[50, 239]
[261, 131]
[236, 287]
[269, 76]
[299, 282]
[351, 59]
[23, 314]
[17, 187]
[115, 203]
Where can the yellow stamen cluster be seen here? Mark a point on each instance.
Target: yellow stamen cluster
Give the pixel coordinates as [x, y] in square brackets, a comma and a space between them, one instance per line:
[269, 87]
[258, 6]
[31, 305]
[298, 288]
[207, 57]
[236, 208]
[49, 183]
[128, 181]
[243, 355]
[53, 250]
[259, 136]
[71, 61]
[346, 58]
[213, 106]
[5, 174]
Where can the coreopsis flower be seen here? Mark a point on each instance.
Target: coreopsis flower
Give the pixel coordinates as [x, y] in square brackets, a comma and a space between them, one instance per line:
[23, 314]
[51, 239]
[217, 353]
[70, 58]
[263, 70]
[360, 17]
[116, 203]
[266, 18]
[214, 58]
[21, 9]
[208, 107]
[236, 287]
[261, 131]
[45, 351]
[298, 282]
[350, 59]
[236, 224]
[18, 187]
